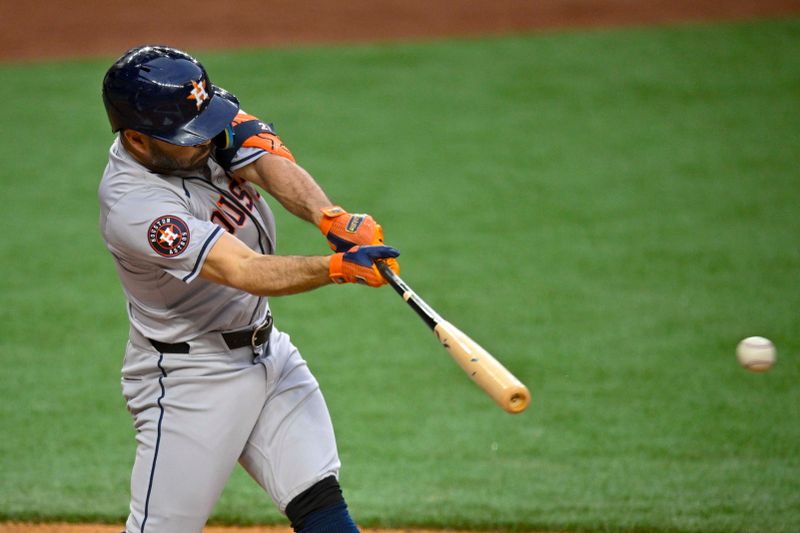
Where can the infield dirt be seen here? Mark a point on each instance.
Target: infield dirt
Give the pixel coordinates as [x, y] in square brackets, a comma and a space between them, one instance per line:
[46, 29]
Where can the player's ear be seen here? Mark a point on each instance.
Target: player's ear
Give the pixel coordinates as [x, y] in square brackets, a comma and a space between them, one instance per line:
[132, 136]
[137, 144]
[134, 139]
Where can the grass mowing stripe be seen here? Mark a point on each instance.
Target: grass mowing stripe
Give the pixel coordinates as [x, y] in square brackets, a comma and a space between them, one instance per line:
[608, 212]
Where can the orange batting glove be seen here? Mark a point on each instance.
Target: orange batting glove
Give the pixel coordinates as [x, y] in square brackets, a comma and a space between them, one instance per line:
[345, 230]
[358, 265]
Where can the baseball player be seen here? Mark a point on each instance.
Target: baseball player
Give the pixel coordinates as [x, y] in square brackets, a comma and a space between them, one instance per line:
[208, 377]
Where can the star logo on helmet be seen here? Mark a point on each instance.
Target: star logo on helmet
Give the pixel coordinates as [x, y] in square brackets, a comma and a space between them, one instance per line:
[198, 94]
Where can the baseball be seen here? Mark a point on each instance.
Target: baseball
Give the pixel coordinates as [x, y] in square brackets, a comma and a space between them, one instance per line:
[756, 354]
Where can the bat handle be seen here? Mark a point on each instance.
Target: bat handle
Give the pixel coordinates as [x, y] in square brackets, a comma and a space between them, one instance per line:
[425, 312]
[391, 278]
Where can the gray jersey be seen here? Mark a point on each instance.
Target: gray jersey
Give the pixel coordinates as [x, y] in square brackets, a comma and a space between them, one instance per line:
[160, 229]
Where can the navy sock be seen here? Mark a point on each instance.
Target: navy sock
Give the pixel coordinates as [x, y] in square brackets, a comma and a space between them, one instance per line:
[332, 520]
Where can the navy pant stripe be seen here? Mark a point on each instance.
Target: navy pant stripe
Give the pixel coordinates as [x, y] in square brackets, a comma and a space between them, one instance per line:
[158, 440]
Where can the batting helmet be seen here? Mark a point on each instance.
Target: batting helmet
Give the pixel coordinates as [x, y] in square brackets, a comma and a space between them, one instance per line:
[165, 93]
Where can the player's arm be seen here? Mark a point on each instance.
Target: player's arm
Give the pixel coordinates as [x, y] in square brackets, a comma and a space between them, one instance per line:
[289, 183]
[276, 171]
[230, 262]
[300, 194]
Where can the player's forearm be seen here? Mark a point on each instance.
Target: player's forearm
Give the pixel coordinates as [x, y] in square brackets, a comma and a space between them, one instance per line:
[290, 184]
[230, 262]
[283, 275]
[274, 275]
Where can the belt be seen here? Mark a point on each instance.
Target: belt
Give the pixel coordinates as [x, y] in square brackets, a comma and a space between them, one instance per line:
[254, 338]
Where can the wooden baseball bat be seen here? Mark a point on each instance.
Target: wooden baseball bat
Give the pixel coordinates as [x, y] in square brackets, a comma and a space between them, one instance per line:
[486, 371]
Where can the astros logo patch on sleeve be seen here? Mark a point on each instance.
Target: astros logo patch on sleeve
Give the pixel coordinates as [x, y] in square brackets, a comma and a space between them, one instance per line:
[168, 236]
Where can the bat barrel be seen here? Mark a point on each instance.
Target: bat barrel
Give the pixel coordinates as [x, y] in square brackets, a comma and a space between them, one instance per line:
[486, 371]
[518, 401]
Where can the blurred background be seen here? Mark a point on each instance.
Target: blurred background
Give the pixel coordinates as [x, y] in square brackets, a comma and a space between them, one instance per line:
[604, 194]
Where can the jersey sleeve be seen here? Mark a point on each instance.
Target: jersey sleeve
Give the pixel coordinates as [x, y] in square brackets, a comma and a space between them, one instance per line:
[252, 138]
[154, 228]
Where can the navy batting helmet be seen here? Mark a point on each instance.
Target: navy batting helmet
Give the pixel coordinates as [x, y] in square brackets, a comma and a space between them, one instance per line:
[165, 93]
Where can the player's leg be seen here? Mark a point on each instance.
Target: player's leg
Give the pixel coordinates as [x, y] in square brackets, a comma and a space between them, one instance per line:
[320, 509]
[192, 424]
[292, 449]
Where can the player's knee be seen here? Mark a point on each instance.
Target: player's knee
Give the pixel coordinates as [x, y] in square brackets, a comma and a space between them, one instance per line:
[321, 509]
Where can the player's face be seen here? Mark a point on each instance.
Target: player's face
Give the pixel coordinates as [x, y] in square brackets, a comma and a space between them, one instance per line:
[168, 157]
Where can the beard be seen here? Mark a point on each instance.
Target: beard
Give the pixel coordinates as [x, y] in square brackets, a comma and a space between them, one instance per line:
[164, 163]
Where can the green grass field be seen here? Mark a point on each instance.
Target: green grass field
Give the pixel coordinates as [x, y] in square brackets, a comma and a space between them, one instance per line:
[608, 212]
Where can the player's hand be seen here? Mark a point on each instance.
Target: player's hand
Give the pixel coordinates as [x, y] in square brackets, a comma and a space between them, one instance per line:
[358, 265]
[345, 230]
